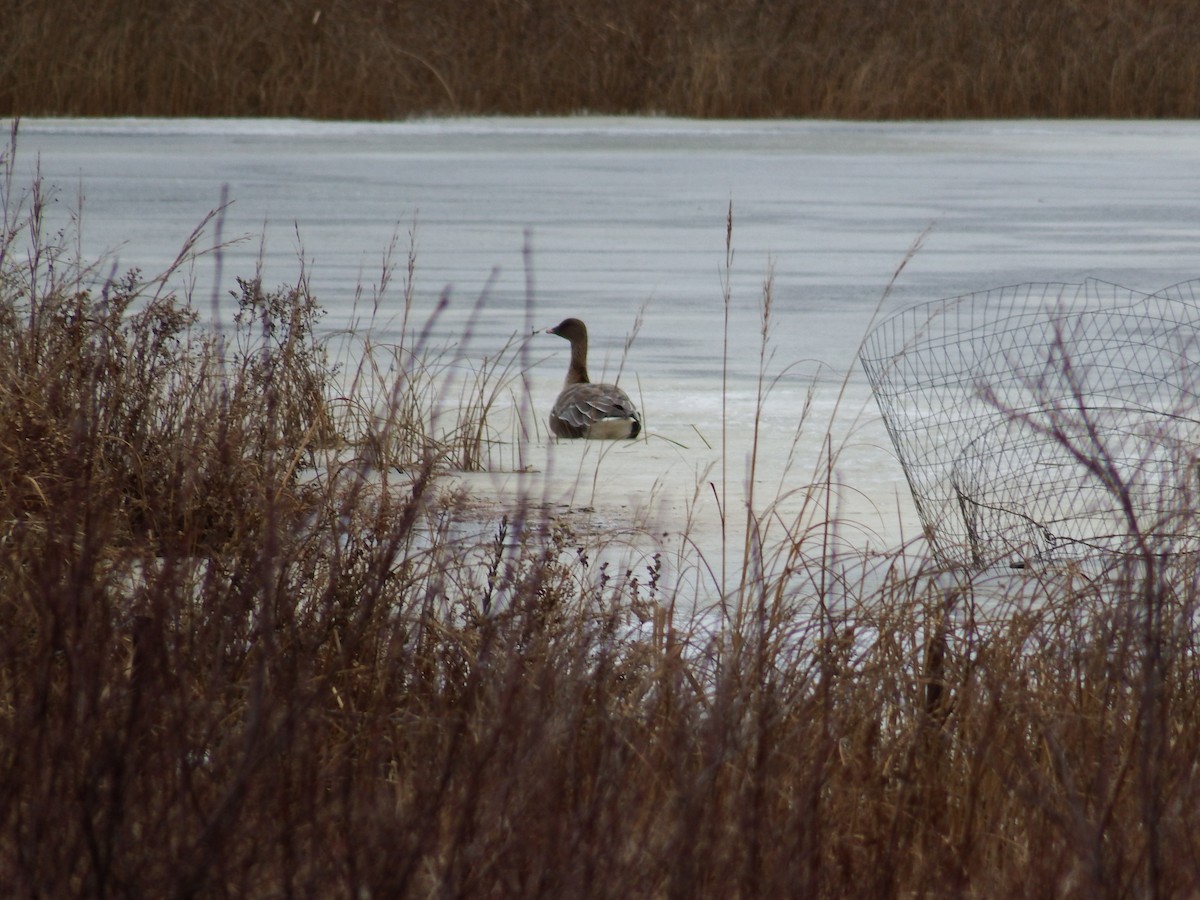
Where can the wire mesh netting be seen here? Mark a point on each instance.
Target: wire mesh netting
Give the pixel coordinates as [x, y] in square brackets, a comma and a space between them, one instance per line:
[1046, 421]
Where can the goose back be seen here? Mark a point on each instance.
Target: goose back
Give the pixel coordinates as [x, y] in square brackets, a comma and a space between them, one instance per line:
[597, 411]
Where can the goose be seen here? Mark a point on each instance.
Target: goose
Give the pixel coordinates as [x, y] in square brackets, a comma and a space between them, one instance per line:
[584, 409]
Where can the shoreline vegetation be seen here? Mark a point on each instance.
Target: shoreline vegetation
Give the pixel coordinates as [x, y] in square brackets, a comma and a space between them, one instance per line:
[245, 651]
[350, 59]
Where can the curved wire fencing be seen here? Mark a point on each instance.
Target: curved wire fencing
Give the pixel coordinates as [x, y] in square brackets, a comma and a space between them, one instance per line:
[1046, 421]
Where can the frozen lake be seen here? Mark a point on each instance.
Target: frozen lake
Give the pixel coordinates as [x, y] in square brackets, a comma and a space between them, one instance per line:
[605, 218]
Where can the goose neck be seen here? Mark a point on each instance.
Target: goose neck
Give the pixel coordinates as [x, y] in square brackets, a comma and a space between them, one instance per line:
[577, 372]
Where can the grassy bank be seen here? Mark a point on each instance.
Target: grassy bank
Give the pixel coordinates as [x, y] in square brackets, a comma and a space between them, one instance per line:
[244, 650]
[845, 59]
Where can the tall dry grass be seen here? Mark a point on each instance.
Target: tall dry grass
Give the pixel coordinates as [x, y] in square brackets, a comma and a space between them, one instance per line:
[225, 673]
[748, 58]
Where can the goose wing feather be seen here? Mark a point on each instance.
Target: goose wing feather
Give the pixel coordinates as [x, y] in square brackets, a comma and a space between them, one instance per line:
[580, 406]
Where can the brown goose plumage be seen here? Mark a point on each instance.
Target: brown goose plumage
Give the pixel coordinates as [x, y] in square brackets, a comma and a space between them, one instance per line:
[586, 410]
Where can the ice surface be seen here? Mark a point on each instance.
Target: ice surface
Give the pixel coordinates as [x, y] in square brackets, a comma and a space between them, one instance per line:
[606, 217]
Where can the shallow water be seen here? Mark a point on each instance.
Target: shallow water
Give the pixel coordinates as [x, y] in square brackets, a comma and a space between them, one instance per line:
[521, 222]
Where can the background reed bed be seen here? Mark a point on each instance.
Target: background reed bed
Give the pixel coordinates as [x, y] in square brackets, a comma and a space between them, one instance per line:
[238, 658]
[350, 59]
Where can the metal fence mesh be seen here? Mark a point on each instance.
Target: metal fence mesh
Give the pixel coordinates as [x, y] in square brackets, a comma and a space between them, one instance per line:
[1045, 420]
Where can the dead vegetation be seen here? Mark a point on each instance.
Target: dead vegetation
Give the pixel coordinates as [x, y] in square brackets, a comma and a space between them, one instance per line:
[224, 672]
[349, 59]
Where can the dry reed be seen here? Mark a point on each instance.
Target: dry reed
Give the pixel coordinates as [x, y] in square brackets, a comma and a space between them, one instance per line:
[223, 674]
[349, 59]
